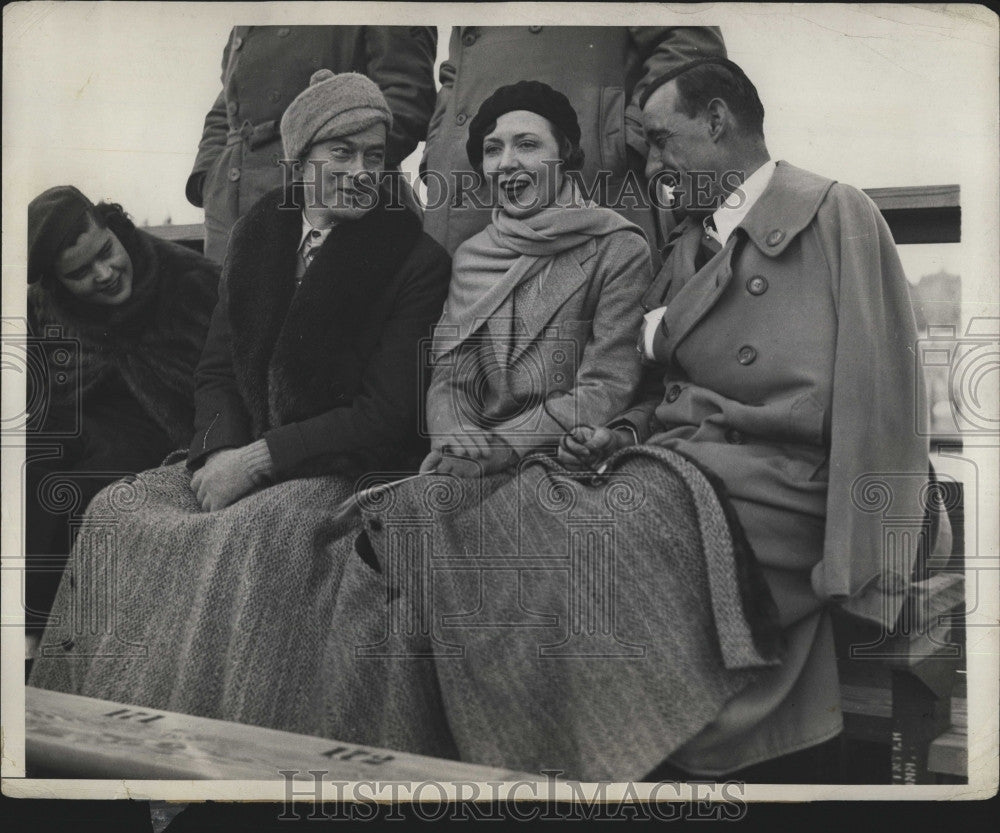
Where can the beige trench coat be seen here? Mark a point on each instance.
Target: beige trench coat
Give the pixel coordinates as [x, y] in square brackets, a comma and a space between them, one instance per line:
[788, 369]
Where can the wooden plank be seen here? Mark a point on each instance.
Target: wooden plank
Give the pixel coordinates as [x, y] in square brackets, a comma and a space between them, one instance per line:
[949, 753]
[179, 233]
[916, 197]
[84, 737]
[866, 700]
[921, 213]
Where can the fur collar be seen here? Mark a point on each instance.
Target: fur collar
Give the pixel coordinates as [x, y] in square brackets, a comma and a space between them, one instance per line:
[295, 351]
[152, 346]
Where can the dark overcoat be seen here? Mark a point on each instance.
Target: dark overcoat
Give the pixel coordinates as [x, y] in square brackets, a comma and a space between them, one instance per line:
[328, 374]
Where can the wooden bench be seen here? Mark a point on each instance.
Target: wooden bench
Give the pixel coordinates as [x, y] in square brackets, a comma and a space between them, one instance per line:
[900, 695]
[67, 736]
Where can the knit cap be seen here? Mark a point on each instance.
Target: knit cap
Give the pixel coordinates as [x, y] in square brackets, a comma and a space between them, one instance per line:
[533, 96]
[52, 217]
[332, 105]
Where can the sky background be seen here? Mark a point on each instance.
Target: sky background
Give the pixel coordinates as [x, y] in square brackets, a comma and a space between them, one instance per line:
[111, 97]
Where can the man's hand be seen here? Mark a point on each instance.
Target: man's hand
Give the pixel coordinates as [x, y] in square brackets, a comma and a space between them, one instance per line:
[223, 480]
[586, 448]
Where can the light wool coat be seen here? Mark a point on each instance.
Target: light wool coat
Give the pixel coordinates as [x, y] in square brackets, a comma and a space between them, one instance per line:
[788, 369]
[570, 328]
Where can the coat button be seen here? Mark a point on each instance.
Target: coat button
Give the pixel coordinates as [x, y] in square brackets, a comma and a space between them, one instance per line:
[232, 107]
[469, 38]
[460, 118]
[237, 43]
[234, 174]
[757, 285]
[283, 32]
[534, 29]
[734, 437]
[775, 237]
[747, 355]
[673, 393]
[274, 95]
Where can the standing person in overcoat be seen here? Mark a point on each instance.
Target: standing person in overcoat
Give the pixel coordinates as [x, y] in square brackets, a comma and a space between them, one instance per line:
[602, 70]
[263, 69]
[781, 327]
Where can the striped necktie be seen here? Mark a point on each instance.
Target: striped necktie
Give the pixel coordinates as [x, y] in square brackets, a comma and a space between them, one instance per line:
[310, 246]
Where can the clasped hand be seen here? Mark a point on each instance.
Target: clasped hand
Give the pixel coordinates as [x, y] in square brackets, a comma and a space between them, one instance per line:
[223, 480]
[586, 447]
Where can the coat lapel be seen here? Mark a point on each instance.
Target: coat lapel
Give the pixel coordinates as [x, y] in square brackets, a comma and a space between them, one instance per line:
[691, 298]
[565, 277]
[295, 351]
[259, 274]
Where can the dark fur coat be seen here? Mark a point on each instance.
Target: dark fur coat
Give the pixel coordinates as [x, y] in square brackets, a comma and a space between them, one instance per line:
[149, 346]
[329, 373]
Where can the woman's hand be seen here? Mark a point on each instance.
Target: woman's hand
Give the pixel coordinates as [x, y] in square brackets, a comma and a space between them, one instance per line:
[480, 454]
[229, 475]
[586, 448]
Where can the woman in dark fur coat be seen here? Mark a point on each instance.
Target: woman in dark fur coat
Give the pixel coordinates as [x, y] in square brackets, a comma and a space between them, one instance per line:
[310, 381]
[120, 318]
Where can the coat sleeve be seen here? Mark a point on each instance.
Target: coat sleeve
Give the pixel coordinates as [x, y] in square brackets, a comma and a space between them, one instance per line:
[641, 416]
[385, 413]
[878, 461]
[446, 75]
[662, 48]
[401, 62]
[213, 140]
[444, 393]
[221, 419]
[609, 370]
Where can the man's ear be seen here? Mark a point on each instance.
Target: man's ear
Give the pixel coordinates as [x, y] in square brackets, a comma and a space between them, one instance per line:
[719, 118]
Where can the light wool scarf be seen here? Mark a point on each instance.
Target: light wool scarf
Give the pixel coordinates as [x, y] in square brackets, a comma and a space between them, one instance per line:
[489, 266]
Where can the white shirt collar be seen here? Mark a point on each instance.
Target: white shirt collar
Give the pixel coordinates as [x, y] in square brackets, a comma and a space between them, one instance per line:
[308, 229]
[738, 204]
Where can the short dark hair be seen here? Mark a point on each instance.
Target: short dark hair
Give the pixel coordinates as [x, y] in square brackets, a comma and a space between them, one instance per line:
[701, 80]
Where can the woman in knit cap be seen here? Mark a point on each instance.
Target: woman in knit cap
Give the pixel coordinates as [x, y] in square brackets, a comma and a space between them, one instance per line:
[538, 330]
[121, 317]
[309, 380]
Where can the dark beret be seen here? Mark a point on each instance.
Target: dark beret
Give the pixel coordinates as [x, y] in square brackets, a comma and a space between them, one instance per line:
[533, 96]
[52, 216]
